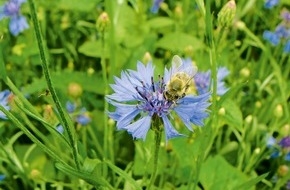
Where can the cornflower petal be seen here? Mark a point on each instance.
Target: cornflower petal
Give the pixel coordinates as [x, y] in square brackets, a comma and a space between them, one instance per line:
[287, 47]
[4, 101]
[156, 5]
[192, 111]
[271, 37]
[2, 14]
[70, 107]
[139, 129]
[17, 24]
[83, 119]
[143, 73]
[270, 3]
[170, 132]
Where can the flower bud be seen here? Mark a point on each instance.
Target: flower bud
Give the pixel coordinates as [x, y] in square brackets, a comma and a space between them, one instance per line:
[227, 14]
[75, 90]
[222, 111]
[103, 22]
[257, 150]
[164, 6]
[285, 129]
[258, 104]
[283, 170]
[178, 12]
[35, 174]
[278, 112]
[245, 72]
[90, 71]
[249, 119]
[49, 115]
[147, 57]
[18, 49]
[240, 25]
[188, 50]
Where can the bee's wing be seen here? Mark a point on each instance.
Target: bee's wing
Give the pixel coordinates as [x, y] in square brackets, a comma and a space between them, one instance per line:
[178, 65]
[194, 70]
[176, 62]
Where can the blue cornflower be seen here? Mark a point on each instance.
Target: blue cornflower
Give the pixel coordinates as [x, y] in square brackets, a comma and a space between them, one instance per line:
[156, 5]
[288, 185]
[2, 177]
[287, 47]
[79, 116]
[285, 14]
[271, 141]
[18, 23]
[270, 3]
[138, 95]
[3, 102]
[60, 129]
[272, 37]
[70, 107]
[202, 81]
[282, 31]
[82, 118]
[285, 142]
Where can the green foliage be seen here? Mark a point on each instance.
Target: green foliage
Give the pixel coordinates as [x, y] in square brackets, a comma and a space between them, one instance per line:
[66, 59]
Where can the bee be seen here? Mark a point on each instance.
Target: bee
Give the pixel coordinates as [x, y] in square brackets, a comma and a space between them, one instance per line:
[179, 83]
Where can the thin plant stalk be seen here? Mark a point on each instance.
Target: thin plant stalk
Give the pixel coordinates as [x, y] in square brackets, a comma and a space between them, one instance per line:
[45, 62]
[155, 157]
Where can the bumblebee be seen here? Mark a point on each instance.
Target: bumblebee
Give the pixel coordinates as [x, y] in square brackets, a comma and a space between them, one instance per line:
[180, 81]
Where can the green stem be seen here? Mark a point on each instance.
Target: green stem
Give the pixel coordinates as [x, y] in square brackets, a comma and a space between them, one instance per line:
[156, 154]
[44, 62]
[30, 135]
[106, 105]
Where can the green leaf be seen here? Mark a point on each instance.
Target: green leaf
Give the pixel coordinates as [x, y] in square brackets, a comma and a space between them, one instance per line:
[97, 181]
[124, 175]
[90, 164]
[218, 174]
[178, 41]
[76, 5]
[3, 74]
[233, 115]
[93, 83]
[251, 182]
[160, 22]
[93, 49]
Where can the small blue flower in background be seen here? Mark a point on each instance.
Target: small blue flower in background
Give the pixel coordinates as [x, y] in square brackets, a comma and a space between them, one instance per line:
[281, 33]
[280, 148]
[272, 37]
[202, 81]
[3, 102]
[285, 142]
[287, 47]
[60, 129]
[18, 23]
[271, 141]
[79, 116]
[137, 94]
[70, 107]
[156, 5]
[2, 177]
[270, 3]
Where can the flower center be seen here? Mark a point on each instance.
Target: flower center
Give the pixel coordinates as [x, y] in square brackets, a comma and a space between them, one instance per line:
[153, 100]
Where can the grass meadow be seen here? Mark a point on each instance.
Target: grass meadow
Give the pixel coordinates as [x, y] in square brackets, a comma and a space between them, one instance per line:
[144, 94]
